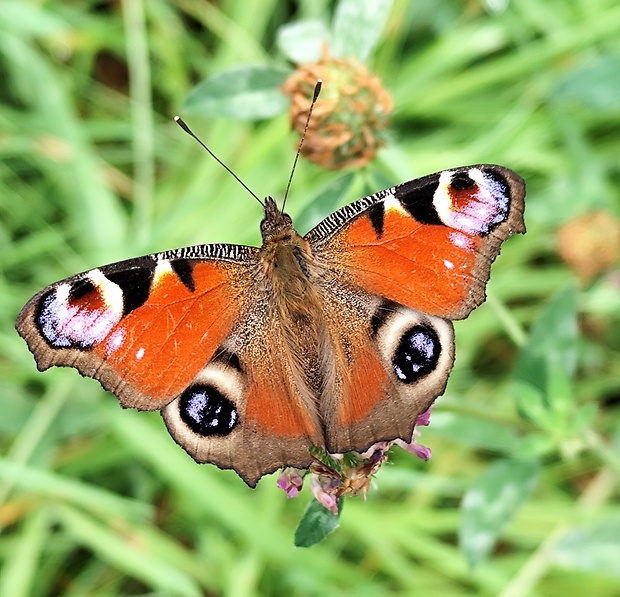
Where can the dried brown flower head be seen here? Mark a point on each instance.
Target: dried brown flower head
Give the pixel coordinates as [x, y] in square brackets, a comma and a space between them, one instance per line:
[350, 117]
[590, 243]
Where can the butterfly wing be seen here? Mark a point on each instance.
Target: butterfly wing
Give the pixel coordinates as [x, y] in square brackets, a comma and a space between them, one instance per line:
[143, 327]
[388, 363]
[428, 243]
[407, 260]
[188, 329]
[250, 382]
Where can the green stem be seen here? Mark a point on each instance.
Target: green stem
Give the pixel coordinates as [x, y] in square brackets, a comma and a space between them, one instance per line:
[34, 430]
[511, 325]
[141, 116]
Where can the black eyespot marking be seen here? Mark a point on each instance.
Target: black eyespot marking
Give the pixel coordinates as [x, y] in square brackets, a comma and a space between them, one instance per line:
[184, 270]
[461, 182]
[80, 289]
[417, 354]
[135, 284]
[418, 201]
[376, 215]
[228, 358]
[380, 316]
[207, 412]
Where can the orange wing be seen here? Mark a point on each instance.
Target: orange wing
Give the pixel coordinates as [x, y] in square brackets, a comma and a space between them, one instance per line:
[428, 243]
[243, 410]
[184, 331]
[143, 327]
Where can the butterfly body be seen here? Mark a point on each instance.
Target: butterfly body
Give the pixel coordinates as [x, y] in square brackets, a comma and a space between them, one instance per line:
[339, 339]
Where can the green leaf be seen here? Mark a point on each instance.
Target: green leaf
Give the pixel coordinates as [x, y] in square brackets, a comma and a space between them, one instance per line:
[536, 445]
[595, 83]
[594, 548]
[246, 93]
[532, 405]
[302, 42]
[547, 364]
[552, 341]
[316, 523]
[357, 26]
[491, 503]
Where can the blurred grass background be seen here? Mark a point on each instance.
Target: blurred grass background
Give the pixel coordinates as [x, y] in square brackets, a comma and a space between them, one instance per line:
[99, 501]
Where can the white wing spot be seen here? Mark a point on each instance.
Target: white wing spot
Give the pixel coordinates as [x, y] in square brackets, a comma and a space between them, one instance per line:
[390, 203]
[115, 341]
[442, 202]
[110, 292]
[162, 269]
[460, 240]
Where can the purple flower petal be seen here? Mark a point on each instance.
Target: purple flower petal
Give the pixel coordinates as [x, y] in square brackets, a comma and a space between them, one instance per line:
[424, 419]
[416, 449]
[326, 498]
[290, 481]
[379, 447]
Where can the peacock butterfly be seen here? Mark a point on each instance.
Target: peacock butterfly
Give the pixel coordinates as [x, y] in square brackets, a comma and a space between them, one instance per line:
[338, 339]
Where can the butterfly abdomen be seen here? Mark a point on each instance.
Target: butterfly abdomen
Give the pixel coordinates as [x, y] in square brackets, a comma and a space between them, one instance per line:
[295, 304]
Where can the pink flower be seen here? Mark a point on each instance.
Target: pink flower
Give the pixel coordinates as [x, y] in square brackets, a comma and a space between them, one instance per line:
[325, 491]
[290, 481]
[333, 476]
[424, 419]
[415, 448]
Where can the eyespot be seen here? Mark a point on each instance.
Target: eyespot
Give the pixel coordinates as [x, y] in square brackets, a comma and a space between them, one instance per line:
[79, 314]
[206, 411]
[417, 353]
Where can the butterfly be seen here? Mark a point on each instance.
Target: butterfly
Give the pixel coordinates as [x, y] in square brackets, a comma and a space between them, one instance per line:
[338, 339]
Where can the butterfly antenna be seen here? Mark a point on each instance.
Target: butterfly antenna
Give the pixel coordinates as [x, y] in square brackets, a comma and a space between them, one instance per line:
[317, 90]
[182, 124]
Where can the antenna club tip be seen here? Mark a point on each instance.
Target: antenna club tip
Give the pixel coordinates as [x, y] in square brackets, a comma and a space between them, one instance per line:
[182, 124]
[317, 89]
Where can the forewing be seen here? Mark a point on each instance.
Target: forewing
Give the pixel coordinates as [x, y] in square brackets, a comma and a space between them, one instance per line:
[143, 327]
[428, 243]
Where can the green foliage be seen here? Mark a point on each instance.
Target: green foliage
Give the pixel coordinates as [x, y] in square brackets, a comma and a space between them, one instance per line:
[245, 93]
[95, 500]
[491, 503]
[591, 548]
[357, 27]
[316, 523]
[545, 369]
